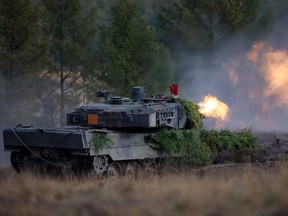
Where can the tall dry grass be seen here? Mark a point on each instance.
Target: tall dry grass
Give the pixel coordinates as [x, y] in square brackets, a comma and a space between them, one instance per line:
[222, 190]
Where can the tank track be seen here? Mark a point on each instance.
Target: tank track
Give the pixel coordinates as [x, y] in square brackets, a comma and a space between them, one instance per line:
[101, 165]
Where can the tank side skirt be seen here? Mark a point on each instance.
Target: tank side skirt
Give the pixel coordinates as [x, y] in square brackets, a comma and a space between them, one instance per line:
[14, 138]
[35, 154]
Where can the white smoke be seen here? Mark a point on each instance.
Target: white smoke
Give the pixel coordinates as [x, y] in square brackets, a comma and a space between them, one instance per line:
[228, 74]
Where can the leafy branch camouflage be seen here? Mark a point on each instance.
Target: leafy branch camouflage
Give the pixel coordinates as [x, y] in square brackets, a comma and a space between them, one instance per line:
[201, 147]
[99, 140]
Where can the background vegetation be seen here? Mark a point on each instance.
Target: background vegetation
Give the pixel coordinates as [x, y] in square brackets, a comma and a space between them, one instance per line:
[54, 55]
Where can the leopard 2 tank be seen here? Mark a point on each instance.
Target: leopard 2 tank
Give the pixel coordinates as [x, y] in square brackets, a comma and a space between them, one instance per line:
[112, 138]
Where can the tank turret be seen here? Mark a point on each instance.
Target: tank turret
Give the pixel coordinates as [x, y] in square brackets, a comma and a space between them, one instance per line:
[138, 112]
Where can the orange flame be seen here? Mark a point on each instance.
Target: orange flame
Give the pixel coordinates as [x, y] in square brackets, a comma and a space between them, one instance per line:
[210, 106]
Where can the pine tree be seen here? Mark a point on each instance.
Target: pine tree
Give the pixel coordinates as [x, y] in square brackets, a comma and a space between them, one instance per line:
[235, 14]
[23, 51]
[126, 48]
[198, 24]
[72, 29]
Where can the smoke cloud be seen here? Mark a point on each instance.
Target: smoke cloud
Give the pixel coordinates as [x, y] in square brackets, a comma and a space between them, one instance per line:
[249, 73]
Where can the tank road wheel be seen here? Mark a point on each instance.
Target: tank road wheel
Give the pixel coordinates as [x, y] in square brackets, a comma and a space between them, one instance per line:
[114, 171]
[100, 164]
[132, 169]
[19, 161]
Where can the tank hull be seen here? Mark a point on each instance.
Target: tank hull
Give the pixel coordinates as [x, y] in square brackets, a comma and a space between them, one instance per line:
[79, 149]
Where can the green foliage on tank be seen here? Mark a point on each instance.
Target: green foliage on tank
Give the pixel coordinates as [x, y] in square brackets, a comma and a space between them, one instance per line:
[201, 147]
[187, 144]
[99, 140]
[228, 140]
[193, 113]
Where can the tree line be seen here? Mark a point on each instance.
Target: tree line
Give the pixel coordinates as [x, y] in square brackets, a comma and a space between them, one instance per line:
[55, 55]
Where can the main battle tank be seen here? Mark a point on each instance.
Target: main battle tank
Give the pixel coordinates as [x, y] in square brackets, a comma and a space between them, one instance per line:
[112, 138]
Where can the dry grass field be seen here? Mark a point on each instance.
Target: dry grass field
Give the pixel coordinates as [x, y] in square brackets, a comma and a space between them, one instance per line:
[217, 190]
